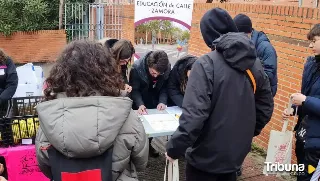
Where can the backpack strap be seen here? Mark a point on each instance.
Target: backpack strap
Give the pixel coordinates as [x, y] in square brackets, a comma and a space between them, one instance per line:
[248, 72]
[252, 80]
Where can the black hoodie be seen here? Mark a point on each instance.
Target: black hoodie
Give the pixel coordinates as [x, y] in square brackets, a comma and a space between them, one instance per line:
[220, 112]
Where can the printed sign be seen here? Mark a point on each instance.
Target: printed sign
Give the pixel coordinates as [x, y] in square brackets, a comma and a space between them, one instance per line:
[163, 25]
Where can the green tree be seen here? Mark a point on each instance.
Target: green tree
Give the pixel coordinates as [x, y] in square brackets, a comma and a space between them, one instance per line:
[30, 15]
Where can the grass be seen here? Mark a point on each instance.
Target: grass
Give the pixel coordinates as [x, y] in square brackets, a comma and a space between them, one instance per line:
[258, 150]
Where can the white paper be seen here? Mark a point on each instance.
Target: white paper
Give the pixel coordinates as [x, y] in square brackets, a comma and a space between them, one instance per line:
[162, 122]
[26, 141]
[1, 71]
[174, 110]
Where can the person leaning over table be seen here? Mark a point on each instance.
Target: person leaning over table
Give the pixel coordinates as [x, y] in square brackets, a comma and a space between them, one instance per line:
[148, 78]
[122, 51]
[178, 79]
[84, 113]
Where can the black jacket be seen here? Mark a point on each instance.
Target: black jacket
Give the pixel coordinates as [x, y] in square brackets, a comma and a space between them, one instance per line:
[8, 80]
[220, 110]
[139, 80]
[175, 78]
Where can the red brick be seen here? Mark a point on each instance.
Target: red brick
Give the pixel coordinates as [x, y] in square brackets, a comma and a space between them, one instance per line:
[43, 46]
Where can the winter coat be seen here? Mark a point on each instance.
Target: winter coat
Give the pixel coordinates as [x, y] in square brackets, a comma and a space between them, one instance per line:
[268, 55]
[220, 112]
[139, 80]
[84, 127]
[309, 111]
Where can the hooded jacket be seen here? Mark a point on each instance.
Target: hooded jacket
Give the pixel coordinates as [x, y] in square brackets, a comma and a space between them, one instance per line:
[220, 111]
[139, 80]
[175, 78]
[84, 127]
[268, 55]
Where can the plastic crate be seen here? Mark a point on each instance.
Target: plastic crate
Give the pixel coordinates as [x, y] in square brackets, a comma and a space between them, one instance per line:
[24, 106]
[21, 125]
[21, 130]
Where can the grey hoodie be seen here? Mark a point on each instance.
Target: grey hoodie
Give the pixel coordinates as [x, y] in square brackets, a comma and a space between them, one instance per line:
[83, 127]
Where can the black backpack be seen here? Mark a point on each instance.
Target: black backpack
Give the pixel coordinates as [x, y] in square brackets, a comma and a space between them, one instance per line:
[98, 168]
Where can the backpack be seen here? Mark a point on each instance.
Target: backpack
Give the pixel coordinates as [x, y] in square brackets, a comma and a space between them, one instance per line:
[98, 168]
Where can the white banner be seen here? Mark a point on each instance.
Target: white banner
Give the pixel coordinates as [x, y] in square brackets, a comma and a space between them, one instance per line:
[179, 11]
[163, 25]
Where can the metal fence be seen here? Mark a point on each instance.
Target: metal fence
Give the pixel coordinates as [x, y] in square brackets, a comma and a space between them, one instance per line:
[94, 20]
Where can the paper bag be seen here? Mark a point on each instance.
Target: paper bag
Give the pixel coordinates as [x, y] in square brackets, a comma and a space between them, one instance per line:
[173, 171]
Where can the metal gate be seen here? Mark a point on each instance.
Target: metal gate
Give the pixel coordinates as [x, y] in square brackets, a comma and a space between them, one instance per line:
[93, 21]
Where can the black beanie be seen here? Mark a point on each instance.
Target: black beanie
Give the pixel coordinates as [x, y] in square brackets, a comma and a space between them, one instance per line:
[243, 23]
[215, 23]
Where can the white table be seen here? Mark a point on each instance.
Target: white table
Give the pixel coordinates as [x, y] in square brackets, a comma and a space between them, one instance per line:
[150, 131]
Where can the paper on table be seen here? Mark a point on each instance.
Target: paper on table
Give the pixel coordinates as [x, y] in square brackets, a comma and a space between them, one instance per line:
[162, 122]
[155, 111]
[174, 110]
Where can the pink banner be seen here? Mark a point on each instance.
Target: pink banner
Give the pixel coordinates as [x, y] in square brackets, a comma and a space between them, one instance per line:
[22, 164]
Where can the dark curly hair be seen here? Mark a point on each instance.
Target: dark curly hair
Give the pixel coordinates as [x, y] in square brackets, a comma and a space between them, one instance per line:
[84, 68]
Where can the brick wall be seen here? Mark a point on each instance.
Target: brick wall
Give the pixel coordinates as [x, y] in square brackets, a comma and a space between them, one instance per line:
[39, 46]
[286, 27]
[128, 23]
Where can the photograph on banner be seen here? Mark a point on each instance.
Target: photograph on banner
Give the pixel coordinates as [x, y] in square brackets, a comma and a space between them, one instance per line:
[163, 25]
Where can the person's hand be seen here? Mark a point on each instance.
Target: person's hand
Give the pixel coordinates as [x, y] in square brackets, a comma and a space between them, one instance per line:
[2, 178]
[127, 88]
[169, 158]
[161, 106]
[1, 168]
[142, 110]
[298, 98]
[287, 113]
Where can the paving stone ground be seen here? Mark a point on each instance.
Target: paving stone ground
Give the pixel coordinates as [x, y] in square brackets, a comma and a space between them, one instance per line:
[252, 167]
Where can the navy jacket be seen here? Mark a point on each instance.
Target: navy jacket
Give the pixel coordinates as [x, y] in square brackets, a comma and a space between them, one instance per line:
[268, 55]
[310, 108]
[8, 80]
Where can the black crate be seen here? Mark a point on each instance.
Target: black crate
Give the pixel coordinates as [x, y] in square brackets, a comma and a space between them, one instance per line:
[20, 130]
[20, 126]
[24, 106]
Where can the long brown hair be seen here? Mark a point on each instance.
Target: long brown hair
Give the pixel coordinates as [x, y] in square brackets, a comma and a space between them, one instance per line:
[122, 49]
[84, 68]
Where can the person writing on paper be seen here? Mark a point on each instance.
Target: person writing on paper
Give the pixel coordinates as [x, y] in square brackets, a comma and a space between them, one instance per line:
[148, 78]
[122, 51]
[223, 105]
[308, 103]
[178, 79]
[84, 114]
[8, 82]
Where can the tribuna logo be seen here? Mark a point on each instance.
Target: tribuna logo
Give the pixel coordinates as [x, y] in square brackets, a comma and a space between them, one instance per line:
[278, 167]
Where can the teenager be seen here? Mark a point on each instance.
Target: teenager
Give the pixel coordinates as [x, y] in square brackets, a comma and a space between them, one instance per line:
[148, 78]
[225, 86]
[308, 103]
[85, 116]
[178, 79]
